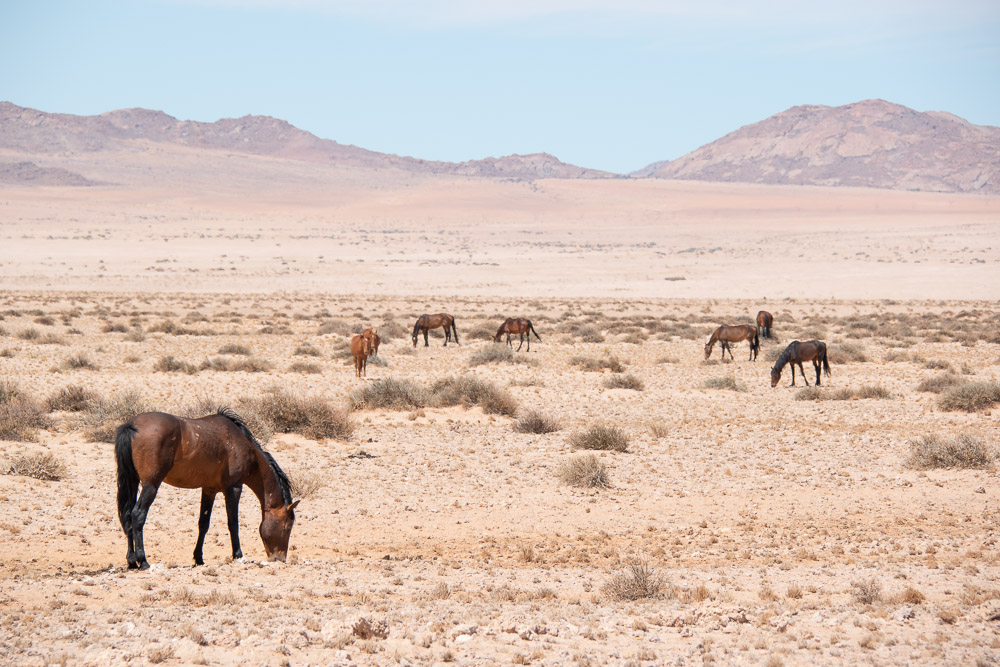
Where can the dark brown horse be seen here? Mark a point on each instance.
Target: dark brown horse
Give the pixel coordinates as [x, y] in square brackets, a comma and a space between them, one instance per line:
[217, 453]
[796, 353]
[516, 325]
[374, 340]
[361, 349]
[764, 321]
[733, 333]
[427, 322]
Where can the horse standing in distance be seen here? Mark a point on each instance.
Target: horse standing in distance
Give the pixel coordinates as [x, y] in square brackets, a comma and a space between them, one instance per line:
[427, 322]
[734, 333]
[764, 321]
[217, 453]
[360, 350]
[374, 340]
[796, 353]
[517, 325]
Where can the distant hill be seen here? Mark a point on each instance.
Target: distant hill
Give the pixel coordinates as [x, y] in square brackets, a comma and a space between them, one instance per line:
[870, 144]
[29, 173]
[29, 132]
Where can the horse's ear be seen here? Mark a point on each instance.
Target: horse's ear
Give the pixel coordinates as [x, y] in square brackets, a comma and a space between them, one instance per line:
[294, 505]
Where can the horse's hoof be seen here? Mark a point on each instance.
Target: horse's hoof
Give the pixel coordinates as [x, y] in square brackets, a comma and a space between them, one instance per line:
[144, 565]
[132, 565]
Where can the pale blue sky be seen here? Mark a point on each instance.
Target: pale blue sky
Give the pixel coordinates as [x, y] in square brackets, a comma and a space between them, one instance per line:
[607, 84]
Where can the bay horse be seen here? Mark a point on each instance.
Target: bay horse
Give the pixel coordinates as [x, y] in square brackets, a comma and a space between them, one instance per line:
[517, 325]
[374, 340]
[361, 349]
[796, 353]
[734, 333]
[217, 453]
[427, 322]
[764, 321]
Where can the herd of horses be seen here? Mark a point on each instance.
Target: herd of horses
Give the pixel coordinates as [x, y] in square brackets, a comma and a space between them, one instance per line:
[219, 453]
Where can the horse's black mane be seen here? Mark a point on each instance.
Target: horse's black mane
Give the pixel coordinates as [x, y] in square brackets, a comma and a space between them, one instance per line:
[279, 474]
[785, 356]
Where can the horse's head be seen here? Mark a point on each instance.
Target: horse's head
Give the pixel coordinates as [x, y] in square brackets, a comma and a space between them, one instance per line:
[496, 339]
[708, 350]
[276, 528]
[775, 376]
[414, 338]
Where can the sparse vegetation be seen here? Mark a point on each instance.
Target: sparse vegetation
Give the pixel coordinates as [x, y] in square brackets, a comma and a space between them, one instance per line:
[20, 414]
[601, 437]
[497, 354]
[867, 591]
[725, 382]
[970, 396]
[104, 415]
[235, 348]
[44, 466]
[962, 451]
[533, 421]
[639, 581]
[243, 364]
[624, 381]
[390, 394]
[940, 383]
[469, 390]
[608, 362]
[586, 470]
[168, 364]
[305, 367]
[72, 398]
[81, 361]
[311, 416]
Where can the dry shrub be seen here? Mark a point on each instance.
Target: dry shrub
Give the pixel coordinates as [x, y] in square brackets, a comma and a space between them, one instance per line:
[305, 367]
[136, 335]
[30, 333]
[311, 416]
[364, 629]
[638, 581]
[44, 466]
[587, 471]
[846, 352]
[609, 362]
[534, 421]
[938, 364]
[939, 383]
[307, 350]
[246, 365]
[588, 333]
[481, 331]
[51, 339]
[970, 396]
[909, 595]
[73, 398]
[726, 382]
[624, 381]
[7, 353]
[249, 410]
[659, 429]
[114, 327]
[600, 437]
[168, 364]
[104, 415]
[20, 414]
[335, 326]
[495, 354]
[78, 361]
[390, 394]
[867, 591]
[872, 391]
[811, 394]
[469, 390]
[962, 451]
[235, 348]
[305, 483]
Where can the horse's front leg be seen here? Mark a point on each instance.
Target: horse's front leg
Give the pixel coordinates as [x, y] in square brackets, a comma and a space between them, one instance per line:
[509, 344]
[792, 366]
[204, 517]
[139, 514]
[232, 495]
[803, 372]
[426, 342]
[520, 339]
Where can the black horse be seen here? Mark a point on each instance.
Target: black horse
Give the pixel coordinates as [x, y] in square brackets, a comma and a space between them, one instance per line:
[796, 353]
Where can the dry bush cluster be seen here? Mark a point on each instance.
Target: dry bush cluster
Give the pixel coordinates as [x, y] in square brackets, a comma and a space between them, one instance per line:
[586, 470]
[240, 364]
[469, 390]
[311, 416]
[940, 383]
[725, 382]
[962, 451]
[638, 581]
[72, 398]
[20, 414]
[815, 393]
[169, 364]
[390, 394]
[533, 421]
[496, 354]
[608, 362]
[43, 466]
[601, 437]
[104, 415]
[624, 381]
[970, 396]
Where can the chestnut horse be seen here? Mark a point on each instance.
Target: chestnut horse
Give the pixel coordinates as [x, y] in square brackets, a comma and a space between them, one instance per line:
[374, 340]
[734, 333]
[428, 322]
[517, 325]
[764, 321]
[796, 353]
[217, 453]
[361, 348]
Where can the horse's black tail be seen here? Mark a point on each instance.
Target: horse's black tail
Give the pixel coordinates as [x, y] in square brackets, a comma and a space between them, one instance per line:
[756, 343]
[826, 364]
[532, 327]
[454, 331]
[128, 476]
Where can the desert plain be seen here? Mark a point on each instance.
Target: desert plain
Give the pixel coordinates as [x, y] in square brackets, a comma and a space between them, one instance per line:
[742, 524]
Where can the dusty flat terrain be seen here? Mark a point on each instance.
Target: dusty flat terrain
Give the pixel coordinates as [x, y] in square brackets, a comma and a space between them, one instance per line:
[783, 531]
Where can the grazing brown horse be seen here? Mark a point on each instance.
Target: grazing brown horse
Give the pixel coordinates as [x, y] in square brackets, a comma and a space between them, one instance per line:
[374, 340]
[427, 322]
[796, 353]
[764, 321]
[517, 325]
[734, 333]
[361, 348]
[217, 453]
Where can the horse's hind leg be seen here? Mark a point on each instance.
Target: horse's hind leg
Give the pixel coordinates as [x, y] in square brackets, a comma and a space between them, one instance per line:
[816, 366]
[232, 495]
[204, 517]
[426, 342]
[520, 338]
[139, 514]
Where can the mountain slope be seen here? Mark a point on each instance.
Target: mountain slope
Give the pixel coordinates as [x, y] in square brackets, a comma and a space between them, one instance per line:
[871, 144]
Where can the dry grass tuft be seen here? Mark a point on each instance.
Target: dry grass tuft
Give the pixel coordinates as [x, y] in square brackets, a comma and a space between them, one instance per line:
[73, 398]
[940, 383]
[970, 396]
[725, 382]
[601, 437]
[235, 348]
[638, 581]
[867, 591]
[245, 364]
[311, 416]
[305, 483]
[77, 362]
[845, 353]
[469, 390]
[20, 414]
[364, 629]
[390, 394]
[43, 466]
[963, 451]
[307, 350]
[609, 362]
[624, 381]
[305, 367]
[587, 471]
[534, 421]
[104, 415]
[168, 364]
[497, 354]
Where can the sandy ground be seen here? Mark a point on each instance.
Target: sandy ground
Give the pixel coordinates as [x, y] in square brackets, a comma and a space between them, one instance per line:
[763, 515]
[782, 531]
